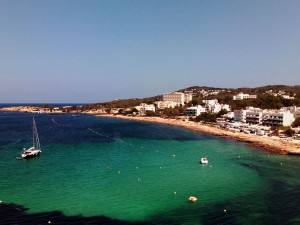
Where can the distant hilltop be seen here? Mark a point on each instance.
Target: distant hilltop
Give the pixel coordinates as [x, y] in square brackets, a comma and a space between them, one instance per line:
[203, 91]
[270, 96]
[265, 97]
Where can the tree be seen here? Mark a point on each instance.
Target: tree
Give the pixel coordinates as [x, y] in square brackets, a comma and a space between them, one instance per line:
[150, 113]
[222, 112]
[296, 123]
[171, 112]
[206, 117]
[275, 130]
[289, 132]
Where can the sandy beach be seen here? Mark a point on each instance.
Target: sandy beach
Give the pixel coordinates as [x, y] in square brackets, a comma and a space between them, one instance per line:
[267, 143]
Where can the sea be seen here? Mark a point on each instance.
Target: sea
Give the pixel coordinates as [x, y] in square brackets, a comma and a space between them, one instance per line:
[95, 170]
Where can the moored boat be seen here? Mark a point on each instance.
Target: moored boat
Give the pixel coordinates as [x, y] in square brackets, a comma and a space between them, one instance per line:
[204, 160]
[35, 150]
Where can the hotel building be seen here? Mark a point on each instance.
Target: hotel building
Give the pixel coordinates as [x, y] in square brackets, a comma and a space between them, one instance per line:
[242, 96]
[178, 97]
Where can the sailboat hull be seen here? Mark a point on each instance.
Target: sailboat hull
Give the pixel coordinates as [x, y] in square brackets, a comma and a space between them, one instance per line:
[30, 153]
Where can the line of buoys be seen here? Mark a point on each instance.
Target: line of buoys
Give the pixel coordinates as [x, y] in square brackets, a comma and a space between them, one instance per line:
[129, 144]
[120, 141]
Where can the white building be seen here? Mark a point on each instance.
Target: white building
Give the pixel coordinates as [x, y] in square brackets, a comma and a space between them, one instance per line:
[269, 117]
[240, 115]
[145, 107]
[293, 109]
[210, 102]
[226, 107]
[166, 104]
[195, 110]
[215, 107]
[242, 96]
[178, 97]
[277, 118]
[229, 115]
[254, 116]
[287, 97]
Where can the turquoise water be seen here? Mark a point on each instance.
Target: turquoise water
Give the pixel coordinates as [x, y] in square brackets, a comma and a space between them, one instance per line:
[140, 172]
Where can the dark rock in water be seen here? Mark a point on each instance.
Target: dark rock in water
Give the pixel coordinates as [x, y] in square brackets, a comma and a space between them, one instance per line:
[16, 214]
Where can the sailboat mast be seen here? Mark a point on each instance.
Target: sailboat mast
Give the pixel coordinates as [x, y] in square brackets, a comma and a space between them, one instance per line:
[36, 142]
[33, 137]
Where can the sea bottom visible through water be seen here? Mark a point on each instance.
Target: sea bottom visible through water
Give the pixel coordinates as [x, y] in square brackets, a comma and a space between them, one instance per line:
[95, 169]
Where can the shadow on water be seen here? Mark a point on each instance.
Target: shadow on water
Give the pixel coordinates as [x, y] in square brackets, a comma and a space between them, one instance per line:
[278, 206]
[275, 205]
[281, 198]
[16, 214]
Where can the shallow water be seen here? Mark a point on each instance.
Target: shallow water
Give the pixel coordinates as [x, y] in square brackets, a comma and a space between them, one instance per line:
[139, 172]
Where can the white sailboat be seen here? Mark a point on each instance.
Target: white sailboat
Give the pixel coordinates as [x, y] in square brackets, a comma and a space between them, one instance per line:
[35, 150]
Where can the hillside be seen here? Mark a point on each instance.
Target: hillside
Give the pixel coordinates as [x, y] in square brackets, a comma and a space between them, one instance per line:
[265, 97]
[268, 97]
[290, 90]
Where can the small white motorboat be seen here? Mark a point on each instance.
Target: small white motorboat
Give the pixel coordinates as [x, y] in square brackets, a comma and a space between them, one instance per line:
[204, 160]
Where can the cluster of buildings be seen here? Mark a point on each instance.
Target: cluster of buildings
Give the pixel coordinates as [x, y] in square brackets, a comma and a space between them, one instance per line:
[252, 116]
[280, 93]
[211, 106]
[169, 100]
[196, 91]
[267, 117]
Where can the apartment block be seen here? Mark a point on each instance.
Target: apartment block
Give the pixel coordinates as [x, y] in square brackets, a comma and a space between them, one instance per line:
[166, 104]
[242, 96]
[240, 115]
[254, 117]
[143, 108]
[277, 118]
[195, 110]
[178, 97]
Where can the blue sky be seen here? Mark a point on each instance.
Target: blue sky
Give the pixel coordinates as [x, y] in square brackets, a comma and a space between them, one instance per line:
[94, 51]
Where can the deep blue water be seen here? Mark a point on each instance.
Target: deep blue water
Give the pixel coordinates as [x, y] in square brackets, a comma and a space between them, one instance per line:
[95, 170]
[40, 104]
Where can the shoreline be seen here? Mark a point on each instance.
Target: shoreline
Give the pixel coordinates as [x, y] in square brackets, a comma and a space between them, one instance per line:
[269, 144]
